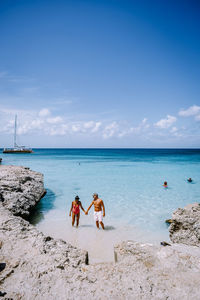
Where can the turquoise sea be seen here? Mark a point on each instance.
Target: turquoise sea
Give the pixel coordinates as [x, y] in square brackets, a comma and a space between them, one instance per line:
[128, 180]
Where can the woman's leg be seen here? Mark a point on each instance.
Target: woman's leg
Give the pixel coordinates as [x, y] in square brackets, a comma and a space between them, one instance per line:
[73, 219]
[77, 219]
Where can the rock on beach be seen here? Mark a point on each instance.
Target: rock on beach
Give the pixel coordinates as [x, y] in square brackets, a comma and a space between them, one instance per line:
[185, 225]
[20, 189]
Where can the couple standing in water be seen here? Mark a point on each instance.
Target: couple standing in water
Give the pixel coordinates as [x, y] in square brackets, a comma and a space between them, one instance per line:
[98, 207]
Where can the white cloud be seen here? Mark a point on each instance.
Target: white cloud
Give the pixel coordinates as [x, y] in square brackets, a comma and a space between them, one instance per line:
[88, 125]
[62, 130]
[76, 127]
[144, 124]
[191, 111]
[110, 130]
[142, 127]
[174, 129]
[45, 112]
[93, 126]
[166, 123]
[96, 127]
[54, 120]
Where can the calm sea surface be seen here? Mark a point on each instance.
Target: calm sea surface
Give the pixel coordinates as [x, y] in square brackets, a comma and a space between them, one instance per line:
[128, 180]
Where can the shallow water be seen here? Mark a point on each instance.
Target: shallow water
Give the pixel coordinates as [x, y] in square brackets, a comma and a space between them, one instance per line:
[128, 180]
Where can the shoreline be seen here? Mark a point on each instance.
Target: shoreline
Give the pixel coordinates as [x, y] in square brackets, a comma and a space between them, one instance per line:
[41, 267]
[98, 243]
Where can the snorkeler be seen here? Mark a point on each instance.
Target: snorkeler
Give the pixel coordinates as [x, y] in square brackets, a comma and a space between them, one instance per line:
[75, 210]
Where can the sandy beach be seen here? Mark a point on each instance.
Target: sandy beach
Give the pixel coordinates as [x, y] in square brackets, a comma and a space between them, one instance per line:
[98, 243]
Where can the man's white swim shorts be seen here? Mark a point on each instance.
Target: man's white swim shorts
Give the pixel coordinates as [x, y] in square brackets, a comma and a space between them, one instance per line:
[98, 216]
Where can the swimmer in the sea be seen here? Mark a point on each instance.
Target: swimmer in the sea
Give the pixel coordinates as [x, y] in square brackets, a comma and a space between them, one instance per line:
[189, 179]
[165, 184]
[75, 210]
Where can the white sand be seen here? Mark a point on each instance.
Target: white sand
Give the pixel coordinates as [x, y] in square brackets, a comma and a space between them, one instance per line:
[98, 243]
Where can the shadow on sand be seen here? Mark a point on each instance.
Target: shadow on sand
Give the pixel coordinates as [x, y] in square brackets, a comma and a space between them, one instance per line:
[109, 228]
[44, 205]
[86, 225]
[90, 225]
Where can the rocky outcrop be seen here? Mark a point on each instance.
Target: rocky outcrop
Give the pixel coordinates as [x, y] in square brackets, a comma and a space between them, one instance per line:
[35, 264]
[20, 189]
[37, 267]
[154, 272]
[185, 225]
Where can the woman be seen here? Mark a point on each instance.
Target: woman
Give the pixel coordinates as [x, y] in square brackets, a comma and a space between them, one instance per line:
[75, 210]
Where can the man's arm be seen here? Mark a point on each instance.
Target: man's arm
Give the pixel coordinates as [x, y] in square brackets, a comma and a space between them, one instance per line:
[89, 207]
[103, 208]
[82, 207]
[71, 210]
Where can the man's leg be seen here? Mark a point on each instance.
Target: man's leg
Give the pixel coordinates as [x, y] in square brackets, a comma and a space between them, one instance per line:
[73, 219]
[97, 223]
[102, 225]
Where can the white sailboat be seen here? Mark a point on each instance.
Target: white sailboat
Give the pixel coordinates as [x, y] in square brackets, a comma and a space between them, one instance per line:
[16, 148]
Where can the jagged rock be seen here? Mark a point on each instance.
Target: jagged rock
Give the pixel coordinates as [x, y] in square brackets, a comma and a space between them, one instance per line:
[161, 272]
[20, 189]
[185, 226]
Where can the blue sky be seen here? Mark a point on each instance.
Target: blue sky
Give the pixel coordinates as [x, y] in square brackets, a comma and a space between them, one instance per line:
[111, 73]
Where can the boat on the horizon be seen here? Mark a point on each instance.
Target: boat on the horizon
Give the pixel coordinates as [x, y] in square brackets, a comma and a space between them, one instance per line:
[16, 148]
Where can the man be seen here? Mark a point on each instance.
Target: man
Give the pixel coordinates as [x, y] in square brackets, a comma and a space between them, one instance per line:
[98, 205]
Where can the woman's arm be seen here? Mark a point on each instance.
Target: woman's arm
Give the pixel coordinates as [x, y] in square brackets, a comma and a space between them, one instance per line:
[71, 210]
[82, 206]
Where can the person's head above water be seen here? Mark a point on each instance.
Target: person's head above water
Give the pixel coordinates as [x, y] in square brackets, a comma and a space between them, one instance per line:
[190, 179]
[77, 198]
[95, 196]
[165, 183]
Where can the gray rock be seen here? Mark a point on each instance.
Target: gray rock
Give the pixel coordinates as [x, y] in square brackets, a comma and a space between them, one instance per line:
[20, 189]
[185, 226]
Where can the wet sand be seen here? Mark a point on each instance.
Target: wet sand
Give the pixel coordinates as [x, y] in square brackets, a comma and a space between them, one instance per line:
[99, 243]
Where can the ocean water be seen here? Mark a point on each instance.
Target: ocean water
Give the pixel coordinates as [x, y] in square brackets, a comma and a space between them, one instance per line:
[128, 180]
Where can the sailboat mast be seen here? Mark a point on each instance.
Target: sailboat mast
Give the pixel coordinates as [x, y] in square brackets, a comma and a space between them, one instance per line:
[15, 132]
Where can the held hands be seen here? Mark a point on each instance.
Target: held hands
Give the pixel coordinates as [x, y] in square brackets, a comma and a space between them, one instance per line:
[86, 212]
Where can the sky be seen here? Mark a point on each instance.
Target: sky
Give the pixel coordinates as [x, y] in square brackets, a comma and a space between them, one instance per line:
[94, 73]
